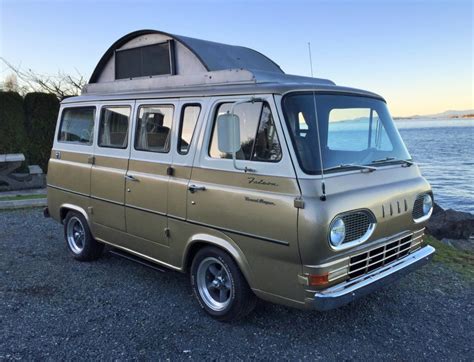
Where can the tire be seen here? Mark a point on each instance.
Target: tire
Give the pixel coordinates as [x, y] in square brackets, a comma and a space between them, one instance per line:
[219, 286]
[79, 240]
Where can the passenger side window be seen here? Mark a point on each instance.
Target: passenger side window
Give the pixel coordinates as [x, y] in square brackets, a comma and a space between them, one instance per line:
[258, 136]
[113, 127]
[77, 125]
[189, 118]
[154, 128]
[356, 129]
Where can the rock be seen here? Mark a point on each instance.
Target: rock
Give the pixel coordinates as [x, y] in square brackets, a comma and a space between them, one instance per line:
[450, 224]
[461, 244]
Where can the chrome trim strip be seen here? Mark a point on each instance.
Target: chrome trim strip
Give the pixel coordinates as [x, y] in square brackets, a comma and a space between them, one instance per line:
[424, 218]
[146, 210]
[347, 258]
[107, 200]
[281, 242]
[383, 252]
[67, 190]
[384, 244]
[347, 292]
[86, 195]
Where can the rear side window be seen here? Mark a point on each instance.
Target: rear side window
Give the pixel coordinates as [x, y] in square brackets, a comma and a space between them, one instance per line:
[154, 128]
[258, 136]
[189, 118]
[113, 127]
[77, 125]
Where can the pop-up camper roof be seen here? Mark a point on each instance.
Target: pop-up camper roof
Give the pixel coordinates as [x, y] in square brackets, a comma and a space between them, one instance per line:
[148, 60]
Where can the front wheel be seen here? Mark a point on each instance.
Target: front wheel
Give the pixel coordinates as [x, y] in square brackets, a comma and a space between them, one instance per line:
[219, 285]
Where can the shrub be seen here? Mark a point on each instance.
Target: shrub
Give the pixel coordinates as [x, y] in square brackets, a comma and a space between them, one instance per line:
[12, 125]
[41, 111]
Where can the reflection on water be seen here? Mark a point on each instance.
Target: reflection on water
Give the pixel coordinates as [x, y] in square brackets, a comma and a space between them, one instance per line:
[444, 151]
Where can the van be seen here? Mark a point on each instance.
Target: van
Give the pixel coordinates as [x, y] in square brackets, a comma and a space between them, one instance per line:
[208, 159]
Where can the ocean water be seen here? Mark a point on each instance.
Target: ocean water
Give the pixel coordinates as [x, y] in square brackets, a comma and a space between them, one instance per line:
[444, 151]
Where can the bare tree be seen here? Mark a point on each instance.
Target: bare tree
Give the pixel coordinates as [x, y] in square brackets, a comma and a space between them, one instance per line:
[62, 85]
[10, 84]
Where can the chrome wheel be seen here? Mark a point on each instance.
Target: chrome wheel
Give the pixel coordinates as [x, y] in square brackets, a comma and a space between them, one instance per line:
[214, 284]
[75, 234]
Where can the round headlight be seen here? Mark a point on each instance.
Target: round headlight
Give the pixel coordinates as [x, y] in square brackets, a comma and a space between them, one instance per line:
[427, 204]
[337, 232]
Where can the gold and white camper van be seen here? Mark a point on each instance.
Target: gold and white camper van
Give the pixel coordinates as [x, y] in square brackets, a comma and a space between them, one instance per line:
[208, 159]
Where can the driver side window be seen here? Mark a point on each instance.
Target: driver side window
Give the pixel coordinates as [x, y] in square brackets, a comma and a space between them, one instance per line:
[258, 135]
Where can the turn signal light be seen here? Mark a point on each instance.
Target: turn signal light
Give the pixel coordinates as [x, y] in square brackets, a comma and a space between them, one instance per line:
[318, 280]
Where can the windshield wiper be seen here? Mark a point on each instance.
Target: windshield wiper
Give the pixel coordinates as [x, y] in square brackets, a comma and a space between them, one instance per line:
[393, 159]
[351, 165]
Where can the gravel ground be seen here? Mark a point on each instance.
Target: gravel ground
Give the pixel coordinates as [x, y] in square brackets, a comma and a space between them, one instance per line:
[52, 307]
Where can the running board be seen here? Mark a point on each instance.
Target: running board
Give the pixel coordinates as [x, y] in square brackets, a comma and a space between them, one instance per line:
[136, 259]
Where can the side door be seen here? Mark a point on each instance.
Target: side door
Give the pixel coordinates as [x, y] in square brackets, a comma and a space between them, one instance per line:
[148, 175]
[111, 153]
[256, 208]
[189, 119]
[259, 202]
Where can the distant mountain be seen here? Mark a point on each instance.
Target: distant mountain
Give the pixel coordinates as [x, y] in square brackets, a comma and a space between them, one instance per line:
[469, 113]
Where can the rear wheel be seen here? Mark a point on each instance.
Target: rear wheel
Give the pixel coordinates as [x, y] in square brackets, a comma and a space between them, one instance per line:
[79, 239]
[219, 285]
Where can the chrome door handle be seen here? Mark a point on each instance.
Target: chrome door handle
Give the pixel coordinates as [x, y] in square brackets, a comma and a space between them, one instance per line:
[131, 178]
[194, 188]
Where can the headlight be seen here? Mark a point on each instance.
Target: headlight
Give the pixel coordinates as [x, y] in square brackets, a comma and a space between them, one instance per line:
[337, 232]
[427, 204]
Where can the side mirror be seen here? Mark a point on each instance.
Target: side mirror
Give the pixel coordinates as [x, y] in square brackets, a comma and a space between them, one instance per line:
[228, 133]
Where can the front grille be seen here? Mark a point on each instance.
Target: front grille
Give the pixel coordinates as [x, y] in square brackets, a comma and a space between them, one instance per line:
[418, 207]
[382, 255]
[357, 224]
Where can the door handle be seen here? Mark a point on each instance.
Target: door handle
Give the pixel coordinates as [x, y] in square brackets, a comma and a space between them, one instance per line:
[194, 188]
[131, 178]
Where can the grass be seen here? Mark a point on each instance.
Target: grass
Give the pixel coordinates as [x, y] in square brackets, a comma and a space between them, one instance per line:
[22, 197]
[458, 260]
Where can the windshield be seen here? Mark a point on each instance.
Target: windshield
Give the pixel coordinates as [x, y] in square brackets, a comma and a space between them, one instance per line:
[354, 130]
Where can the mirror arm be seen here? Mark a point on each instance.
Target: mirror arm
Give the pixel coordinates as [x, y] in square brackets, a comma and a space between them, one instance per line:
[234, 160]
[245, 169]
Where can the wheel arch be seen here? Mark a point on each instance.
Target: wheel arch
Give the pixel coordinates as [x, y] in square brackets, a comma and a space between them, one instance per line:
[200, 241]
[65, 208]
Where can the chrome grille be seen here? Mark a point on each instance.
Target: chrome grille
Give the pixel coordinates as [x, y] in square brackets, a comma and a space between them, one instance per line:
[375, 258]
[418, 207]
[357, 224]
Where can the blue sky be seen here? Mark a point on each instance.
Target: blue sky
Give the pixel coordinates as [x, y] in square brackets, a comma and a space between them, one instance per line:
[417, 54]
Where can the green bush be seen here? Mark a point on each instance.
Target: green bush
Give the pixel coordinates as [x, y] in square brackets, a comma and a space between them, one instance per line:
[12, 125]
[41, 112]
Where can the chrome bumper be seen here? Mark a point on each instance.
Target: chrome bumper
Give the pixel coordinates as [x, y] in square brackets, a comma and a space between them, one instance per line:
[346, 292]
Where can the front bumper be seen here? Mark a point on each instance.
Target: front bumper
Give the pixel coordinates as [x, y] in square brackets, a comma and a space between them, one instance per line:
[346, 292]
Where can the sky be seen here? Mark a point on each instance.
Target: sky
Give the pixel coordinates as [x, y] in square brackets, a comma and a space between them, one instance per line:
[417, 54]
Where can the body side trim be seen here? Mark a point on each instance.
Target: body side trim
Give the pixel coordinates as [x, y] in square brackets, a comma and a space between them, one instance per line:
[281, 242]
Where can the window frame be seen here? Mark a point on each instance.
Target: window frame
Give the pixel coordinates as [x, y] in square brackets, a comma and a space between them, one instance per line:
[171, 57]
[180, 127]
[102, 109]
[137, 123]
[214, 121]
[303, 171]
[91, 143]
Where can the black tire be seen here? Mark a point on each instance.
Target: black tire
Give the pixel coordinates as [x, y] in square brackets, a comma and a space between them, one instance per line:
[241, 300]
[84, 247]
